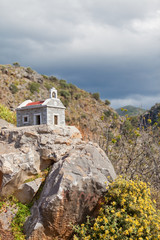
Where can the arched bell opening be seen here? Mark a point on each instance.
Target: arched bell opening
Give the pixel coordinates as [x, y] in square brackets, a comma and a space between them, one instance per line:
[53, 93]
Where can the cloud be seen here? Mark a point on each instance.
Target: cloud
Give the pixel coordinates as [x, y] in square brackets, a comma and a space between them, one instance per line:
[106, 46]
[136, 100]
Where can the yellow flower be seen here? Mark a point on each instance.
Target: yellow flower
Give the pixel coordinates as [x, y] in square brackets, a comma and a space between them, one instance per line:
[102, 227]
[112, 230]
[126, 232]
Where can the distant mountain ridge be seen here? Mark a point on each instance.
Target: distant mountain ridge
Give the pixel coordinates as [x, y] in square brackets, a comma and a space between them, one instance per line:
[130, 111]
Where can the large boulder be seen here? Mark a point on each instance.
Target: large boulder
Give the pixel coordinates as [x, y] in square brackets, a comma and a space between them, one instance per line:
[27, 151]
[75, 185]
[4, 124]
[74, 189]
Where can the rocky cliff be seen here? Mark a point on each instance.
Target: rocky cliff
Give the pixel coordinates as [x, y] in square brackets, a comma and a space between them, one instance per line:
[153, 114]
[74, 187]
[83, 110]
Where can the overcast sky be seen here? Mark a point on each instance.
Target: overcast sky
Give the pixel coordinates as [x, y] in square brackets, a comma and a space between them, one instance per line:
[106, 46]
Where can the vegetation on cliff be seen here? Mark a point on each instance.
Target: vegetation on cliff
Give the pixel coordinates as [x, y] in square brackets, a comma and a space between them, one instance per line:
[7, 114]
[127, 213]
[132, 143]
[17, 214]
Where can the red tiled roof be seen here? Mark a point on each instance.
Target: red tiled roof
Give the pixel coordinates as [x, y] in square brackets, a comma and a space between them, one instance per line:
[35, 103]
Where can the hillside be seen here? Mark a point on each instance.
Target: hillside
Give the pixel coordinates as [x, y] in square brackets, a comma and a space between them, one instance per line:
[152, 116]
[130, 111]
[84, 110]
[132, 151]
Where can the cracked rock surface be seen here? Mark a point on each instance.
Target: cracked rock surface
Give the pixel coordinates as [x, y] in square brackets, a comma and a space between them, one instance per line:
[74, 186]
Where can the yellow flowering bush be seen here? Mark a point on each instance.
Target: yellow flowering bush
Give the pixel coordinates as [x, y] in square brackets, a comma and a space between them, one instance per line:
[7, 115]
[128, 212]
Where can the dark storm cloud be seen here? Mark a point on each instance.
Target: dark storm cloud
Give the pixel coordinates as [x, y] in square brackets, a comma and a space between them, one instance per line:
[111, 47]
[114, 81]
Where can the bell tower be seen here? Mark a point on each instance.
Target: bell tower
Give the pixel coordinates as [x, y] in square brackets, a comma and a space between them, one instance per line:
[53, 93]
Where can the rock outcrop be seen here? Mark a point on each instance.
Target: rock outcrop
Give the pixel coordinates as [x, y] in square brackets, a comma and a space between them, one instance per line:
[153, 114]
[92, 117]
[27, 151]
[74, 186]
[4, 124]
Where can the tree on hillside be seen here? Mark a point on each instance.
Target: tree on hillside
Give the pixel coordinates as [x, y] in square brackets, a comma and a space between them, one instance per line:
[135, 150]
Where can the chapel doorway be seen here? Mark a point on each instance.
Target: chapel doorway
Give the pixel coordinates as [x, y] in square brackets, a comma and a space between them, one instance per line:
[55, 120]
[37, 119]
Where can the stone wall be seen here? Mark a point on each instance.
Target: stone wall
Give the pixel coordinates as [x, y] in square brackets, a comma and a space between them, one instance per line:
[30, 113]
[60, 112]
[47, 116]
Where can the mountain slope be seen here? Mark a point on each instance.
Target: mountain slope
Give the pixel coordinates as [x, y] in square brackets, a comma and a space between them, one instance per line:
[131, 111]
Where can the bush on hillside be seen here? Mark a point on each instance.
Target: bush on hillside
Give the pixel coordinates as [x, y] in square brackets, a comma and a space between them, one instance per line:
[107, 113]
[96, 96]
[63, 84]
[65, 102]
[34, 87]
[53, 79]
[29, 70]
[16, 64]
[78, 96]
[107, 102]
[13, 88]
[48, 85]
[128, 213]
[65, 94]
[45, 77]
[72, 86]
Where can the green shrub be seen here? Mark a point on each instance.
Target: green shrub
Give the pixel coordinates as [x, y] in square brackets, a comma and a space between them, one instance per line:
[22, 211]
[65, 102]
[34, 87]
[45, 77]
[67, 119]
[29, 70]
[127, 127]
[64, 93]
[83, 116]
[13, 88]
[115, 115]
[16, 64]
[18, 221]
[63, 84]
[7, 115]
[96, 96]
[48, 85]
[72, 86]
[3, 69]
[53, 79]
[128, 213]
[78, 96]
[107, 113]
[107, 102]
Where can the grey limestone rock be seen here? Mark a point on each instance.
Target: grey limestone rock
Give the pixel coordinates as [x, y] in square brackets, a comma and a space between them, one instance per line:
[26, 151]
[74, 187]
[27, 191]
